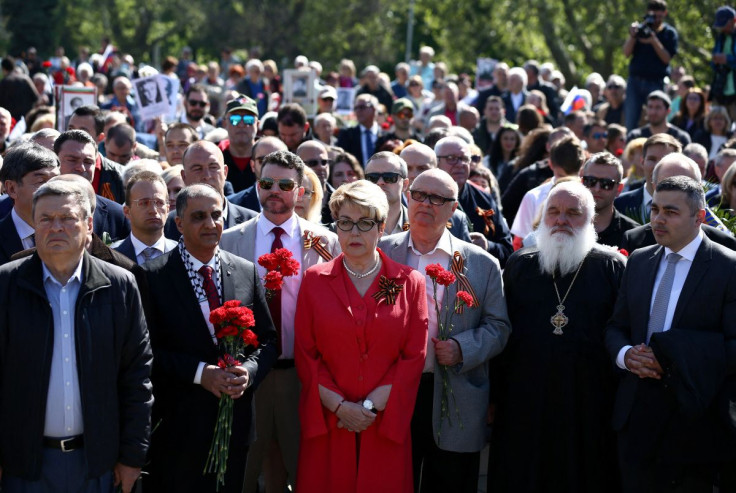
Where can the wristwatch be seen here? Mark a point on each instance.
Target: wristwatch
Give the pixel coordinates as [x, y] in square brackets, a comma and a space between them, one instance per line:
[368, 404]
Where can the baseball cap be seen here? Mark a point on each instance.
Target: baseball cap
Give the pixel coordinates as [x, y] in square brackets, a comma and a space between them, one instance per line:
[400, 105]
[723, 15]
[242, 102]
[661, 95]
[328, 92]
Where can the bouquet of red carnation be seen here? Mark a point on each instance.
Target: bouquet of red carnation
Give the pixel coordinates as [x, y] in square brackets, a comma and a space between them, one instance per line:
[445, 278]
[233, 334]
[278, 265]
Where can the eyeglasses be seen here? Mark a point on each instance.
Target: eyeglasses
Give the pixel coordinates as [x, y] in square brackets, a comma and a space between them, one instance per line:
[363, 224]
[318, 162]
[146, 203]
[605, 183]
[614, 86]
[387, 177]
[201, 104]
[362, 107]
[475, 158]
[285, 185]
[247, 119]
[600, 135]
[455, 159]
[434, 199]
[406, 115]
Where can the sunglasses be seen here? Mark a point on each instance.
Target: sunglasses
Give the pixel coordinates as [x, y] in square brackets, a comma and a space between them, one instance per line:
[318, 162]
[363, 224]
[285, 185]
[475, 158]
[605, 183]
[362, 107]
[387, 177]
[201, 104]
[615, 87]
[600, 135]
[434, 199]
[246, 119]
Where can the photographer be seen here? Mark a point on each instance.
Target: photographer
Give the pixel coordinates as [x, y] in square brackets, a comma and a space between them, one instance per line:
[651, 45]
[723, 90]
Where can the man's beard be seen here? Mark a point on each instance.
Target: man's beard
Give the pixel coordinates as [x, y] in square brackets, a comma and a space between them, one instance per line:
[563, 251]
[195, 118]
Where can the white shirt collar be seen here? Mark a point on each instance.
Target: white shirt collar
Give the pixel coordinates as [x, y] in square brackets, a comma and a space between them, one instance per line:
[197, 264]
[76, 275]
[139, 246]
[373, 128]
[688, 251]
[443, 244]
[290, 226]
[23, 228]
[647, 197]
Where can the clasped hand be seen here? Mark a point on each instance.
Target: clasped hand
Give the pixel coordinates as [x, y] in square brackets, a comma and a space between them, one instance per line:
[354, 417]
[641, 361]
[232, 381]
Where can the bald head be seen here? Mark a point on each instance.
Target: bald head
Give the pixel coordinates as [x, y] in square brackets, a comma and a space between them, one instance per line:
[439, 180]
[675, 164]
[204, 163]
[316, 157]
[418, 158]
[310, 147]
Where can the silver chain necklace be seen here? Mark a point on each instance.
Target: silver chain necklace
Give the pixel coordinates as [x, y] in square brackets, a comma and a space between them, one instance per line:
[365, 274]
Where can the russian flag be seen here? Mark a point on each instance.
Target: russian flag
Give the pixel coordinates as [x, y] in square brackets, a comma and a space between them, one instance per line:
[574, 101]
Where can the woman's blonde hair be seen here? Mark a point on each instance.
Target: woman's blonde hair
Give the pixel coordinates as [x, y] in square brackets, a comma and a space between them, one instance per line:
[367, 196]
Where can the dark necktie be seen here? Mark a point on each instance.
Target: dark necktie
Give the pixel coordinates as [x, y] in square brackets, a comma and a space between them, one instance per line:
[274, 304]
[662, 298]
[33, 239]
[148, 254]
[210, 289]
[368, 145]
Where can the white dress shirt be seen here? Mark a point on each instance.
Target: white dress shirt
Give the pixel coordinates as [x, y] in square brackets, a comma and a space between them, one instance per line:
[682, 269]
[63, 400]
[204, 305]
[441, 254]
[25, 231]
[139, 246]
[530, 205]
[292, 241]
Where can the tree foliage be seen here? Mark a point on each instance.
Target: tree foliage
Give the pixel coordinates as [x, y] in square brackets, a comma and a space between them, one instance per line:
[579, 36]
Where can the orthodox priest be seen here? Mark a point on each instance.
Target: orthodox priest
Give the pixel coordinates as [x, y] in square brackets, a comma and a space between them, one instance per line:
[555, 384]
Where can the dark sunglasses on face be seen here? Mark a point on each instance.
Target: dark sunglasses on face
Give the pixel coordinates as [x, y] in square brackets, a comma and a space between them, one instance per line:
[285, 185]
[600, 135]
[475, 158]
[387, 177]
[247, 119]
[434, 199]
[318, 162]
[363, 224]
[201, 104]
[605, 183]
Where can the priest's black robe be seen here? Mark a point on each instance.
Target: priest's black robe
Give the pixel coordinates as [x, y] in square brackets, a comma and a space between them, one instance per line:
[554, 393]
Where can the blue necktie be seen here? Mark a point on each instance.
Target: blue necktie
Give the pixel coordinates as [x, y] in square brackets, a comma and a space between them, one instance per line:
[368, 138]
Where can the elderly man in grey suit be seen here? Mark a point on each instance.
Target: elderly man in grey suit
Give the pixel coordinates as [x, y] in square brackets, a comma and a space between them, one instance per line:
[446, 449]
[277, 226]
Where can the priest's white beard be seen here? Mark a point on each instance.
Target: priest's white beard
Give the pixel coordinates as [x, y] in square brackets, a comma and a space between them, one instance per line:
[563, 251]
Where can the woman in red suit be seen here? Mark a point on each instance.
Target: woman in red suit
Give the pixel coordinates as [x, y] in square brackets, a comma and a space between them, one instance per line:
[360, 342]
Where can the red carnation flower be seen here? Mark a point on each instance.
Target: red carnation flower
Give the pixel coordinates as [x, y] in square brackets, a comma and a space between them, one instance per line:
[445, 278]
[465, 298]
[250, 338]
[245, 319]
[433, 270]
[227, 331]
[273, 280]
[231, 304]
[289, 267]
[227, 361]
[268, 261]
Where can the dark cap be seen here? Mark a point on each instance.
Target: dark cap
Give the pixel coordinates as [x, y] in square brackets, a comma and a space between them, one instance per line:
[242, 102]
[400, 105]
[723, 15]
[662, 96]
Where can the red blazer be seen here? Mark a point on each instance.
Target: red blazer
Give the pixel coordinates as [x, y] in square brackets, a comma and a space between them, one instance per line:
[352, 345]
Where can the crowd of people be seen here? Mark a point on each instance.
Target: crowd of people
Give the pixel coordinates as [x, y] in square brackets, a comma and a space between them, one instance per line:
[549, 272]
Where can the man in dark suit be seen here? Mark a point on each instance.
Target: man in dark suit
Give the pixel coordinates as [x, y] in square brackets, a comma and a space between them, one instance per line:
[25, 168]
[204, 163]
[636, 204]
[360, 140]
[186, 284]
[146, 207]
[248, 198]
[515, 97]
[677, 164]
[678, 358]
[77, 153]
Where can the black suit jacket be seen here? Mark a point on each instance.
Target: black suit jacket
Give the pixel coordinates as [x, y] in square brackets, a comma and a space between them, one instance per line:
[642, 236]
[10, 242]
[656, 427]
[109, 218]
[247, 198]
[6, 205]
[470, 199]
[235, 215]
[180, 338]
[350, 139]
[630, 204]
[509, 105]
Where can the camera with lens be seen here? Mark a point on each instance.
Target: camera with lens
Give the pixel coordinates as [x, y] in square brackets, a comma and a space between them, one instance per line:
[645, 28]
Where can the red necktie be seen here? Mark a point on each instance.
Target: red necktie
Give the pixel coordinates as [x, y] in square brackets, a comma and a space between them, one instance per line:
[274, 304]
[210, 289]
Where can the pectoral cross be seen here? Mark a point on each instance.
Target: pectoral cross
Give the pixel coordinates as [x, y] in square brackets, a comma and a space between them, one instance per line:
[559, 320]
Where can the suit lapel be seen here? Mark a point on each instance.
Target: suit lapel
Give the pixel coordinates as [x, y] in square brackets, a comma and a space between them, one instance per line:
[645, 290]
[126, 248]
[11, 242]
[337, 284]
[228, 284]
[183, 287]
[700, 265]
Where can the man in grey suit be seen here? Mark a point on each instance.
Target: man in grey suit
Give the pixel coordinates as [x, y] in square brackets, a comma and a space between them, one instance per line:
[446, 450]
[204, 163]
[277, 400]
[146, 207]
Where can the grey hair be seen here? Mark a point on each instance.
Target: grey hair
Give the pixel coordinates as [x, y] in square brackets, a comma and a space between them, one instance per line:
[63, 188]
[605, 159]
[578, 190]
[367, 196]
[195, 191]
